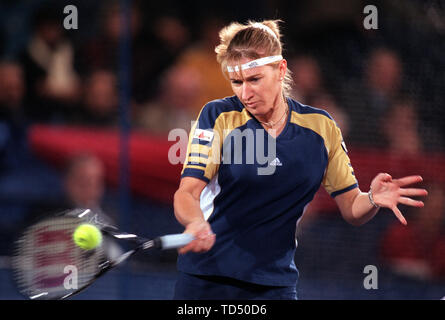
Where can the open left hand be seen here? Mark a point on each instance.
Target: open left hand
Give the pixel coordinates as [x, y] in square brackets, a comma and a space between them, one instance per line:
[388, 192]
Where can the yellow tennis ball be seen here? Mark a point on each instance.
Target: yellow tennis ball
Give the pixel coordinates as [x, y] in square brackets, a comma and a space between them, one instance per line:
[87, 236]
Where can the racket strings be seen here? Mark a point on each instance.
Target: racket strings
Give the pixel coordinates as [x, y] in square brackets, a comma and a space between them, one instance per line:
[47, 264]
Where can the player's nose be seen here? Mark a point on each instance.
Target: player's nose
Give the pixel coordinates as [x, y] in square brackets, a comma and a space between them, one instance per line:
[246, 92]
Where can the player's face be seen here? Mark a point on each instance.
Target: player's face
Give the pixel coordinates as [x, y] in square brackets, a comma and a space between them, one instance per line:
[260, 88]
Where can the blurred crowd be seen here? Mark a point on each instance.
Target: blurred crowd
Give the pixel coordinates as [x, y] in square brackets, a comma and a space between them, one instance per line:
[72, 77]
[384, 91]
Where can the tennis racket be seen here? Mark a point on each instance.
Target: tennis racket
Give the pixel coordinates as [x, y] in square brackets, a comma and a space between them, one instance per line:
[47, 264]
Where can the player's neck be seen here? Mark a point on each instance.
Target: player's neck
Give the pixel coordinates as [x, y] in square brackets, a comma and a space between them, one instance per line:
[277, 116]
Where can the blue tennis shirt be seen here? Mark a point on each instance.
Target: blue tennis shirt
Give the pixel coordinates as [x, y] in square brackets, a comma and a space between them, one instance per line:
[258, 186]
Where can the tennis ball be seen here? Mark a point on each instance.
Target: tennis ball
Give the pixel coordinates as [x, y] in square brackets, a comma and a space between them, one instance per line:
[87, 236]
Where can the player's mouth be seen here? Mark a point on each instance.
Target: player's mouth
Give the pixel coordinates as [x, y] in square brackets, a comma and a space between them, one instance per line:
[250, 104]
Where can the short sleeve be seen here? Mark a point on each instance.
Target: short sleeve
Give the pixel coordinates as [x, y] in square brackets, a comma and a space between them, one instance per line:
[204, 147]
[339, 176]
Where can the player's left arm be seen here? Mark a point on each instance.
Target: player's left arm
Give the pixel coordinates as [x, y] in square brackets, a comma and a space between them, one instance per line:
[356, 206]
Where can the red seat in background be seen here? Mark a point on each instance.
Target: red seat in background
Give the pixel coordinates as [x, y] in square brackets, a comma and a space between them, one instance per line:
[152, 175]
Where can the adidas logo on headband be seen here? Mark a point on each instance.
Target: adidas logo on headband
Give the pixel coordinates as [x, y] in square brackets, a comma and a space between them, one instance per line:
[256, 63]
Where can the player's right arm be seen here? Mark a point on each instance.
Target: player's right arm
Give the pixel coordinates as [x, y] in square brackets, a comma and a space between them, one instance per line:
[188, 212]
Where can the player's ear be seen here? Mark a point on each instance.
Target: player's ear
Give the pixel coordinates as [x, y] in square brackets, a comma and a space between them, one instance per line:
[282, 67]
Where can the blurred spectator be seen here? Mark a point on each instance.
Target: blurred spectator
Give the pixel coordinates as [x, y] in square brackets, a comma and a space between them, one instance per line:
[103, 51]
[15, 18]
[307, 77]
[24, 180]
[418, 250]
[52, 84]
[309, 89]
[13, 140]
[172, 34]
[175, 106]
[400, 129]
[12, 91]
[83, 186]
[84, 181]
[327, 102]
[384, 76]
[99, 104]
[168, 38]
[367, 101]
[201, 58]
[404, 133]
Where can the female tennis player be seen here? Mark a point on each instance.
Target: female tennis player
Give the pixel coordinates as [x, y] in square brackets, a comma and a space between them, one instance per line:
[244, 219]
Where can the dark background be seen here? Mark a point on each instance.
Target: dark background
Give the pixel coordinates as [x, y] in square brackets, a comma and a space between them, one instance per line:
[384, 87]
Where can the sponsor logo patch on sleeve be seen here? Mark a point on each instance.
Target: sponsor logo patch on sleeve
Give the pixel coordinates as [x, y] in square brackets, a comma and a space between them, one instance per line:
[205, 135]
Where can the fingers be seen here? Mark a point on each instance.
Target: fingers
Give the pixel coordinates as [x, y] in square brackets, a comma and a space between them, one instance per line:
[187, 248]
[408, 180]
[411, 202]
[412, 192]
[200, 244]
[383, 177]
[204, 237]
[392, 192]
[399, 215]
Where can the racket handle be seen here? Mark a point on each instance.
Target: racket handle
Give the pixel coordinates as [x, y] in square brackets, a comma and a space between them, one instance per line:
[172, 241]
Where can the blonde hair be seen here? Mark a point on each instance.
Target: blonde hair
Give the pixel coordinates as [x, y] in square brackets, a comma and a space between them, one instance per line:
[253, 40]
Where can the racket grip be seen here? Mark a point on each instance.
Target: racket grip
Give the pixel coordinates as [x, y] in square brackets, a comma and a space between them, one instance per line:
[172, 241]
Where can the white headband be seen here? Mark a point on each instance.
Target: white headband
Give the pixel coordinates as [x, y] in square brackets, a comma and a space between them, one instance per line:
[265, 28]
[256, 63]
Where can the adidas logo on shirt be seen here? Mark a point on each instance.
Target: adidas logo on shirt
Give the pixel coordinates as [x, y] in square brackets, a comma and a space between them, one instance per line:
[276, 163]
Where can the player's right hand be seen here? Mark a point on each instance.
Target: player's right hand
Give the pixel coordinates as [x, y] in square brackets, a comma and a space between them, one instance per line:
[204, 237]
